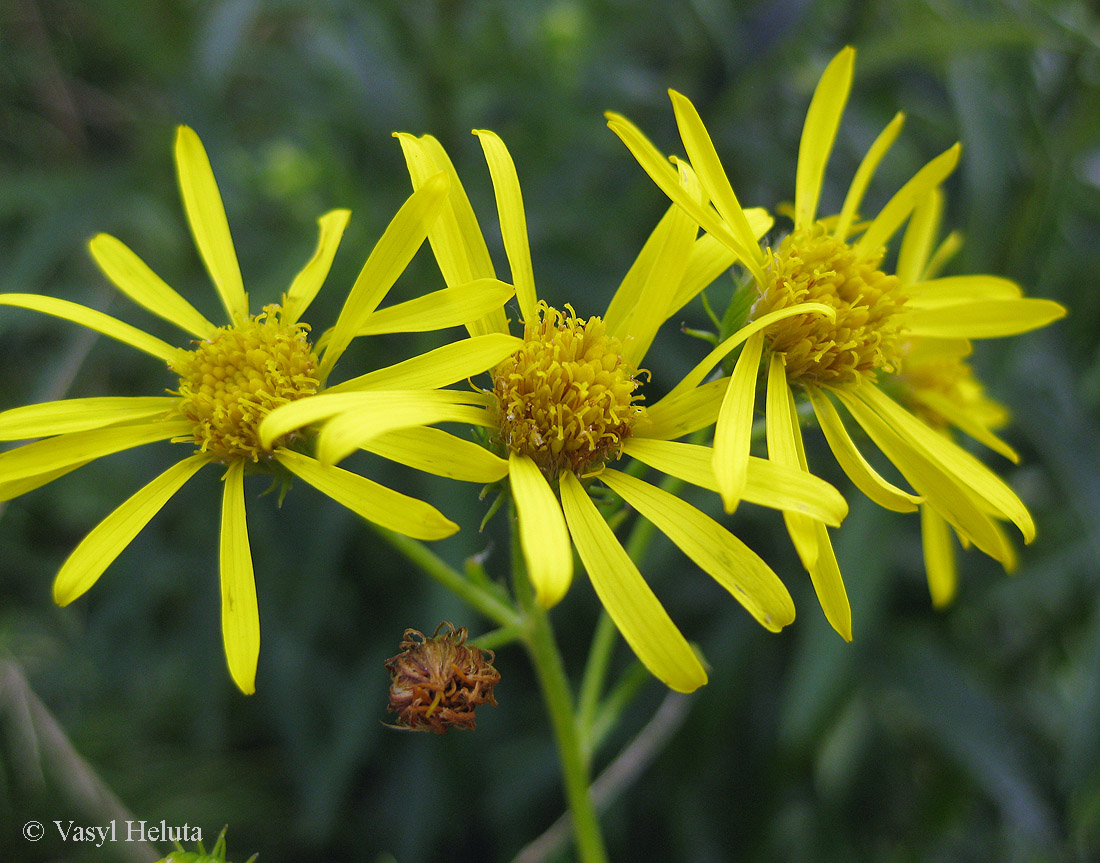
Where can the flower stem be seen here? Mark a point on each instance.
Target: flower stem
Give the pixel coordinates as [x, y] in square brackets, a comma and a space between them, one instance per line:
[433, 565]
[545, 656]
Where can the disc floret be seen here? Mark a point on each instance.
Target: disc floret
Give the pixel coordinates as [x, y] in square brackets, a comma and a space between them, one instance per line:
[812, 266]
[230, 381]
[566, 398]
[949, 380]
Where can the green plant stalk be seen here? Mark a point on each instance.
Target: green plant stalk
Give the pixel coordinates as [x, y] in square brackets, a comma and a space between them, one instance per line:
[545, 656]
[595, 673]
[435, 567]
[618, 699]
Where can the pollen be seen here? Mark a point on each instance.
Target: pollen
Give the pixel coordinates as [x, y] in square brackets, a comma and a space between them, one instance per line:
[812, 266]
[232, 380]
[567, 397]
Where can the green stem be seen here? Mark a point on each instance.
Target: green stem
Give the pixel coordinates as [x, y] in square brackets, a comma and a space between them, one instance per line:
[595, 673]
[497, 638]
[550, 671]
[613, 707]
[433, 565]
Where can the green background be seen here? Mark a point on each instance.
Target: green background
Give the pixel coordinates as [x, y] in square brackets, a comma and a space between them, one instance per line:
[970, 734]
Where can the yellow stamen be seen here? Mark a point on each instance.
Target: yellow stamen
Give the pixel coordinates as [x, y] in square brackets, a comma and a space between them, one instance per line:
[566, 398]
[231, 381]
[812, 266]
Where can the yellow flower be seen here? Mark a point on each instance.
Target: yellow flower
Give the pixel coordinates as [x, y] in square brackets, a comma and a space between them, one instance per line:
[939, 386]
[566, 403]
[228, 381]
[838, 261]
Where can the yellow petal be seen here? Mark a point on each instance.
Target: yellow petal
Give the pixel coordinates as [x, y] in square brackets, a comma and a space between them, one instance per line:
[17, 487]
[638, 614]
[704, 159]
[620, 310]
[368, 499]
[438, 452]
[308, 282]
[703, 368]
[209, 227]
[60, 452]
[863, 175]
[953, 459]
[385, 411]
[450, 307]
[965, 421]
[513, 222]
[456, 238]
[111, 536]
[767, 484]
[713, 548]
[437, 368]
[819, 133]
[852, 462]
[794, 490]
[240, 613]
[542, 532]
[733, 431]
[939, 557]
[131, 275]
[387, 261]
[916, 242]
[828, 584]
[709, 260]
[660, 284]
[941, 488]
[984, 319]
[810, 537]
[952, 290]
[93, 320]
[668, 181]
[1007, 557]
[682, 413]
[785, 448]
[73, 415]
[899, 207]
[304, 412]
[944, 253]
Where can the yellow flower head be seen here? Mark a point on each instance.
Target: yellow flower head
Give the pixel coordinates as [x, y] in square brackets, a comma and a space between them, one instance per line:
[811, 265]
[565, 404]
[835, 264]
[566, 398]
[231, 379]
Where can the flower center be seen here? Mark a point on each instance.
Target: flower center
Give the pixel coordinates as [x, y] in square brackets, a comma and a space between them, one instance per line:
[234, 379]
[566, 398]
[926, 381]
[811, 266]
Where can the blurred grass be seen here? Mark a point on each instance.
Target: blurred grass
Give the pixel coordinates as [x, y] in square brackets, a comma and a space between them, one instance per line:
[969, 734]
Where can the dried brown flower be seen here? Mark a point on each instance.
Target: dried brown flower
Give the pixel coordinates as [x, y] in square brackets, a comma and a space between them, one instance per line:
[438, 682]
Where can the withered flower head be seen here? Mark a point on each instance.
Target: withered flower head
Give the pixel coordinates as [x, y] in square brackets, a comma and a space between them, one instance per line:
[438, 682]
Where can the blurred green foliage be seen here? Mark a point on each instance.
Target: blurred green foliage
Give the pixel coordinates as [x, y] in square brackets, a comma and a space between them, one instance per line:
[965, 735]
